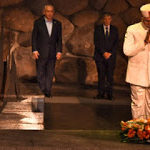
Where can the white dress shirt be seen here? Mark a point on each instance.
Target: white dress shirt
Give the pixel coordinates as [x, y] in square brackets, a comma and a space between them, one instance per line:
[49, 25]
[105, 29]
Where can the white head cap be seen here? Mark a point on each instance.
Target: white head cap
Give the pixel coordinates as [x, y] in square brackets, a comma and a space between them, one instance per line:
[145, 10]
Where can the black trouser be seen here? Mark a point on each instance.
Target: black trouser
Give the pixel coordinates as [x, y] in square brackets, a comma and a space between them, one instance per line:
[45, 73]
[105, 70]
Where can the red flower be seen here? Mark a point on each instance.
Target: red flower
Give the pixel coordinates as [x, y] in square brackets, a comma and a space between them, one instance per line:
[131, 133]
[140, 134]
[147, 128]
[123, 129]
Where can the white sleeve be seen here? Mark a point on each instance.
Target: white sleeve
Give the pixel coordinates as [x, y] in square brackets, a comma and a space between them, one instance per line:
[132, 47]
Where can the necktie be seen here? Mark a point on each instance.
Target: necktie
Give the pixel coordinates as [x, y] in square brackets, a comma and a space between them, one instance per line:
[107, 34]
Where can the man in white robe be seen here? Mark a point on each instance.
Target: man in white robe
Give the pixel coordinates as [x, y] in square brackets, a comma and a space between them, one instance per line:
[137, 48]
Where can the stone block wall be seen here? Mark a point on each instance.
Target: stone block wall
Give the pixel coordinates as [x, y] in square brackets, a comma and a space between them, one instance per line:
[78, 18]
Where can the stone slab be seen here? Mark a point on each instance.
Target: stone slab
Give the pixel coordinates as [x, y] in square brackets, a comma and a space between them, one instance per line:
[17, 107]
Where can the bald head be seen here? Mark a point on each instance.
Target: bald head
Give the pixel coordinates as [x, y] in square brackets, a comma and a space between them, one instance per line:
[49, 12]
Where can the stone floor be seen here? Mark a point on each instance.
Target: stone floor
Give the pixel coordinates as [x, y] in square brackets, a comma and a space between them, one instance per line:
[73, 120]
[65, 140]
[22, 115]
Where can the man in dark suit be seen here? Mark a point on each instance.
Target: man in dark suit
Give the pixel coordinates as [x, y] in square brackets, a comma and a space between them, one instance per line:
[106, 41]
[46, 47]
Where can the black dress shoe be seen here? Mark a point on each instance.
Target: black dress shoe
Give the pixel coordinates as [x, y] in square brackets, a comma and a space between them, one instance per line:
[19, 98]
[99, 96]
[48, 95]
[43, 91]
[109, 97]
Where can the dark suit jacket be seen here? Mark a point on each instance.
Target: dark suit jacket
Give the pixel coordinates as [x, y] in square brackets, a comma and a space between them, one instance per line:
[102, 44]
[46, 45]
